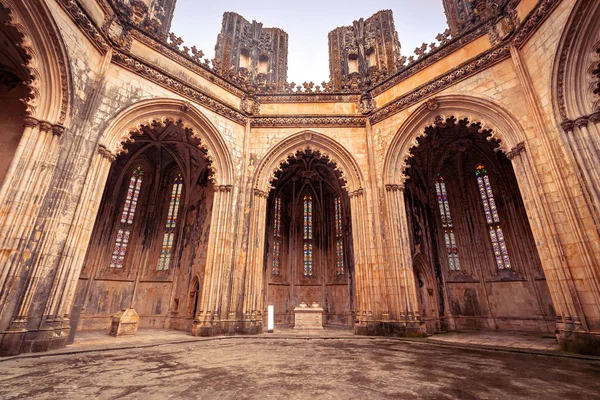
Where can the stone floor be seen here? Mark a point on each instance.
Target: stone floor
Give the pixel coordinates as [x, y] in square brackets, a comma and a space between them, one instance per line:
[500, 339]
[298, 368]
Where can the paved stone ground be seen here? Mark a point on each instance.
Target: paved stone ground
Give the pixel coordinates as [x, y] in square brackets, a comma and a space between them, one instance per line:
[293, 368]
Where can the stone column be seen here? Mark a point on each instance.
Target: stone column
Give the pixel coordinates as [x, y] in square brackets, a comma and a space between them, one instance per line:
[558, 275]
[61, 296]
[586, 155]
[254, 293]
[365, 299]
[400, 251]
[218, 251]
[21, 196]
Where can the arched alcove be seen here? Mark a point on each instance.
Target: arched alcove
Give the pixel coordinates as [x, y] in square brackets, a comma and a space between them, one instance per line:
[308, 242]
[151, 231]
[467, 219]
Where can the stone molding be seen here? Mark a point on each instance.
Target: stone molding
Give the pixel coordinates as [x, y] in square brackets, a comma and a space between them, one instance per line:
[535, 18]
[87, 26]
[524, 31]
[490, 58]
[394, 187]
[308, 120]
[568, 42]
[185, 60]
[309, 98]
[261, 193]
[178, 87]
[28, 45]
[428, 60]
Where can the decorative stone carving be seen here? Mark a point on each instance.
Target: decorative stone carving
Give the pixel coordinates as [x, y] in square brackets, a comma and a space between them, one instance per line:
[363, 51]
[247, 48]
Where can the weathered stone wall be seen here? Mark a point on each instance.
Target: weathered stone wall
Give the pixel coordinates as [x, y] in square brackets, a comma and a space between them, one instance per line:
[111, 76]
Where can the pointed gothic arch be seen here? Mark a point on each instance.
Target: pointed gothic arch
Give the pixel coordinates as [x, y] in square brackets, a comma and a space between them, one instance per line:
[460, 126]
[503, 126]
[342, 161]
[316, 141]
[147, 112]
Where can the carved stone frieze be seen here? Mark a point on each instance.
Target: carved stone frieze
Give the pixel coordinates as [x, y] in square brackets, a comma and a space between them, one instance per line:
[178, 87]
[313, 97]
[489, 58]
[429, 59]
[534, 19]
[303, 121]
[86, 25]
[184, 59]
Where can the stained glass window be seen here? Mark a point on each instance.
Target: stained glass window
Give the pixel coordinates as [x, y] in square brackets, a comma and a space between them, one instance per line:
[492, 218]
[277, 236]
[339, 242]
[126, 223]
[308, 236]
[169, 234]
[449, 238]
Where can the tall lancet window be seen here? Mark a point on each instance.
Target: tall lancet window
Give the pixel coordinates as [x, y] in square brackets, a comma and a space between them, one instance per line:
[277, 236]
[126, 223]
[339, 242]
[451, 248]
[169, 234]
[492, 218]
[308, 235]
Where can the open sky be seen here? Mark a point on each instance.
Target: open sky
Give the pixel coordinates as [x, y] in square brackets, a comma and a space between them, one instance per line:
[307, 23]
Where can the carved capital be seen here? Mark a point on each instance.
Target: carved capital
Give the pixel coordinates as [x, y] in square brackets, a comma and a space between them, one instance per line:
[515, 151]
[395, 187]
[260, 193]
[105, 153]
[567, 125]
[223, 188]
[45, 126]
[581, 122]
[30, 122]
[58, 130]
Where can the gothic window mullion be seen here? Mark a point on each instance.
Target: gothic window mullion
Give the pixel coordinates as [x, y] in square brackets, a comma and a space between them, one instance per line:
[447, 224]
[277, 237]
[492, 218]
[339, 237]
[166, 250]
[126, 220]
[308, 235]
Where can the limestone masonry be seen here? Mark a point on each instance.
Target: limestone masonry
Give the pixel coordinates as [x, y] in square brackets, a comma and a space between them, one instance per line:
[147, 186]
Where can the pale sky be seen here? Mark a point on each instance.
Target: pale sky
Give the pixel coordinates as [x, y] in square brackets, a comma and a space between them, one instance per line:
[307, 24]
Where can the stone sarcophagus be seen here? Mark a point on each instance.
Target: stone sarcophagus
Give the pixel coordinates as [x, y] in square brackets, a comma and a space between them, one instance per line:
[306, 317]
[125, 322]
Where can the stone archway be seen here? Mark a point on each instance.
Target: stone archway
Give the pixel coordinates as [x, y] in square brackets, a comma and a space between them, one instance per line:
[308, 244]
[254, 291]
[149, 236]
[508, 133]
[121, 133]
[468, 220]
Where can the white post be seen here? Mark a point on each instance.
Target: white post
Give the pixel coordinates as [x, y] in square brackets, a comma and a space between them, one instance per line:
[271, 318]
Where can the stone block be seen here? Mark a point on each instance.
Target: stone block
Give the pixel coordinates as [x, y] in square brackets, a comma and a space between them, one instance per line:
[125, 322]
[308, 318]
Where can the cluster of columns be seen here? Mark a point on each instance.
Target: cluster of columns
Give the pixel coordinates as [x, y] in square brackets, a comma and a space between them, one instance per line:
[215, 293]
[22, 196]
